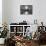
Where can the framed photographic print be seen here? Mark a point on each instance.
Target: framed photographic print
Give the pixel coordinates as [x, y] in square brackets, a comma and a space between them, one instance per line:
[26, 9]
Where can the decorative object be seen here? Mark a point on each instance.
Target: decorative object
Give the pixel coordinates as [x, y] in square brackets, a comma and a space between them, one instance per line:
[35, 21]
[28, 33]
[26, 9]
[2, 40]
[3, 34]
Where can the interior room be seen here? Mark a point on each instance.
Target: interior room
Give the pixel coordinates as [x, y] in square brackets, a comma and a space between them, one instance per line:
[22, 23]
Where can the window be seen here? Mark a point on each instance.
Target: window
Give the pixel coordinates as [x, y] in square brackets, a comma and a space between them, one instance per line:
[0, 13]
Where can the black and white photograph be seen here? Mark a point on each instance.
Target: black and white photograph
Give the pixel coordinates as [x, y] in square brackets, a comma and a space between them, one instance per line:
[22, 22]
[26, 9]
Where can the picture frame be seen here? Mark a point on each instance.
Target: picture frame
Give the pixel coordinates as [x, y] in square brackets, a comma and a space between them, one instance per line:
[26, 9]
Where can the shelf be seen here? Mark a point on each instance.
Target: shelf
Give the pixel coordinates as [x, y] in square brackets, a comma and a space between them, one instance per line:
[19, 32]
[20, 29]
[12, 32]
[16, 32]
[19, 25]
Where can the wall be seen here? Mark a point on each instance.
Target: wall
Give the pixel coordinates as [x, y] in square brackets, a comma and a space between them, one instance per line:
[4, 11]
[12, 11]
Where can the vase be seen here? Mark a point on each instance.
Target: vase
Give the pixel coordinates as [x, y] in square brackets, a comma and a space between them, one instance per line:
[2, 40]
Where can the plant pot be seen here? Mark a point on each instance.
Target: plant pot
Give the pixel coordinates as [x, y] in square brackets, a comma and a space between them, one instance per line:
[2, 40]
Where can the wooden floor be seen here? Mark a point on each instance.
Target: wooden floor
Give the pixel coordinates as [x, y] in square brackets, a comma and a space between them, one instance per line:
[42, 45]
[1, 45]
[32, 45]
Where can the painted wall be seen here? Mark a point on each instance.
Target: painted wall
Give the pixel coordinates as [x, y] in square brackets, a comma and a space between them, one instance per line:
[12, 11]
[4, 11]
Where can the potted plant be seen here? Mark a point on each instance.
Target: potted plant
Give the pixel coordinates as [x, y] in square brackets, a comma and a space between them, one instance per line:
[3, 34]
